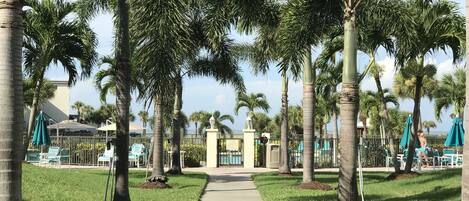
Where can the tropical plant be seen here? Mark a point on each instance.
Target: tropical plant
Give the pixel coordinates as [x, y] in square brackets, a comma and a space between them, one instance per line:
[252, 102]
[11, 119]
[86, 112]
[428, 125]
[200, 117]
[103, 85]
[52, 36]
[78, 106]
[437, 25]
[120, 9]
[448, 93]
[219, 119]
[143, 115]
[370, 106]
[47, 91]
[261, 122]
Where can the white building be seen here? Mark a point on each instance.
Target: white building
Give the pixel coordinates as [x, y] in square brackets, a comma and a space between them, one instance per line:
[56, 108]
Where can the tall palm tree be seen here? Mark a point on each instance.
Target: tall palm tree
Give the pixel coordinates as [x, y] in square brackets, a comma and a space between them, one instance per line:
[47, 91]
[120, 9]
[448, 93]
[465, 169]
[11, 121]
[252, 102]
[303, 24]
[53, 35]
[78, 106]
[415, 83]
[428, 125]
[437, 26]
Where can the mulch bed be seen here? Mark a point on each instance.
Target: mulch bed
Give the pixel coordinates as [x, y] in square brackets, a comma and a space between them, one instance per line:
[154, 185]
[401, 175]
[315, 186]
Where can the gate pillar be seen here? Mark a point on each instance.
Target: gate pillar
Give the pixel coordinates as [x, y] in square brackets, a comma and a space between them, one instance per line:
[212, 137]
[248, 144]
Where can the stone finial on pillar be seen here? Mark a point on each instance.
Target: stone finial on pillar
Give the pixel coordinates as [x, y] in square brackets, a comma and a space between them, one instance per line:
[248, 144]
[212, 151]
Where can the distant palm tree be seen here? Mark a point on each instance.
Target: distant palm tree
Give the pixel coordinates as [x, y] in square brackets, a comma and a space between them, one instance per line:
[219, 119]
[143, 115]
[53, 35]
[428, 125]
[86, 112]
[47, 91]
[199, 117]
[252, 102]
[448, 93]
[11, 118]
[370, 103]
[78, 106]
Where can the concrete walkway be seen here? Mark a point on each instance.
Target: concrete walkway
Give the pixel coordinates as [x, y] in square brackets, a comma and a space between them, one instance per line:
[231, 184]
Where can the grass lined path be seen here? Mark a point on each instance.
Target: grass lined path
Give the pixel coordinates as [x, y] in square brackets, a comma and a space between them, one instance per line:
[437, 186]
[44, 184]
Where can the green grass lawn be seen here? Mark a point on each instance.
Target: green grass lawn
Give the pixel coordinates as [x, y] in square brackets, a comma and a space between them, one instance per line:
[438, 186]
[54, 184]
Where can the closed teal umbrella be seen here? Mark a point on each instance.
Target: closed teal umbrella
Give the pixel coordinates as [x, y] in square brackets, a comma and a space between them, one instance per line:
[404, 144]
[455, 136]
[41, 135]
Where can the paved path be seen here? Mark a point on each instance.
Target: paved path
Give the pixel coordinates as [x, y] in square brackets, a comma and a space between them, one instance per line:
[230, 184]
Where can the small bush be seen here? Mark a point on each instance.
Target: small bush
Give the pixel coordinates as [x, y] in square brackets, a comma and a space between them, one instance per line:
[194, 154]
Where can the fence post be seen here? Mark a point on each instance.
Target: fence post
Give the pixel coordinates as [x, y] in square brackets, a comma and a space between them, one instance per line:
[212, 149]
[248, 148]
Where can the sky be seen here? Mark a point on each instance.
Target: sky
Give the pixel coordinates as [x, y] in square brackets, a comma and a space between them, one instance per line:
[206, 94]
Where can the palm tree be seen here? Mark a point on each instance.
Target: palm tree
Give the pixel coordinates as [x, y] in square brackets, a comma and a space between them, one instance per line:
[370, 103]
[219, 118]
[78, 106]
[11, 120]
[428, 125]
[86, 112]
[47, 91]
[448, 93]
[261, 122]
[143, 115]
[252, 102]
[465, 169]
[199, 117]
[437, 26]
[120, 9]
[109, 85]
[52, 35]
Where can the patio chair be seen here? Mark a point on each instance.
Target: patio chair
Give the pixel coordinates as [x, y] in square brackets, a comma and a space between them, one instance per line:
[33, 156]
[106, 156]
[446, 158]
[137, 151]
[56, 155]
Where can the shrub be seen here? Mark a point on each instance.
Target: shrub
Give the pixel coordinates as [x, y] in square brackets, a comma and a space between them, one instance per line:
[194, 154]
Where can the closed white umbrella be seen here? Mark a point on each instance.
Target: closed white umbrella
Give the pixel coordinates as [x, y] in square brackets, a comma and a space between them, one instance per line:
[112, 127]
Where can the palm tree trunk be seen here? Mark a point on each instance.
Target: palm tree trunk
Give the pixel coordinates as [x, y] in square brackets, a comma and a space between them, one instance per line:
[176, 141]
[158, 139]
[122, 102]
[465, 168]
[196, 129]
[308, 117]
[11, 101]
[33, 110]
[415, 123]
[284, 159]
[384, 122]
[348, 112]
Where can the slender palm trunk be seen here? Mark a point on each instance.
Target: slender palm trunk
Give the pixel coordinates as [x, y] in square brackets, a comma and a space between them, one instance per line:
[465, 168]
[176, 141]
[122, 102]
[384, 123]
[33, 110]
[348, 113]
[284, 159]
[308, 117]
[158, 139]
[196, 129]
[11, 100]
[415, 123]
